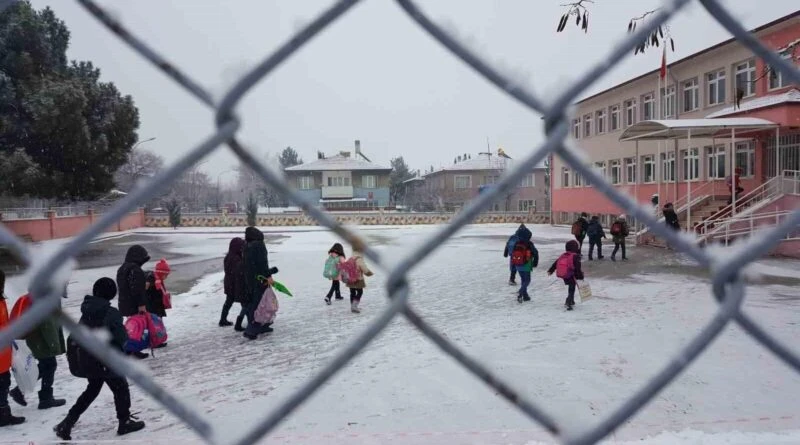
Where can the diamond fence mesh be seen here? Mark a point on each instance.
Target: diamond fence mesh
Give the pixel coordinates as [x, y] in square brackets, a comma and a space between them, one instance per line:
[728, 286]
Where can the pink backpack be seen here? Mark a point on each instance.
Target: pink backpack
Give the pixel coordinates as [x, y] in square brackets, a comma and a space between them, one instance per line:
[144, 331]
[349, 271]
[158, 332]
[565, 265]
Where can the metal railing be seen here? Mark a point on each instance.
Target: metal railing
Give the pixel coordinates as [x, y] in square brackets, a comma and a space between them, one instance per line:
[727, 283]
[746, 225]
[788, 182]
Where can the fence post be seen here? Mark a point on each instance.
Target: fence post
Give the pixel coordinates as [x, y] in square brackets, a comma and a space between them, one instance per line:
[51, 216]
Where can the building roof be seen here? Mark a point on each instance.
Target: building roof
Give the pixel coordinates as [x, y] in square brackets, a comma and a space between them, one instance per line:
[791, 96]
[338, 163]
[481, 163]
[692, 56]
[658, 130]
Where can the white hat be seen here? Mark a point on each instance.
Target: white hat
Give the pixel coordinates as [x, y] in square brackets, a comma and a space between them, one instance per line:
[622, 216]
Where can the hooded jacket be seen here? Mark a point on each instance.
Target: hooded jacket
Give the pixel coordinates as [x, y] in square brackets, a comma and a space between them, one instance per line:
[595, 230]
[256, 262]
[98, 313]
[512, 240]
[671, 218]
[131, 281]
[524, 234]
[234, 270]
[574, 247]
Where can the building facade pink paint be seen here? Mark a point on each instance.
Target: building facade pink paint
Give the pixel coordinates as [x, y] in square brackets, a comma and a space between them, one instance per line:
[703, 85]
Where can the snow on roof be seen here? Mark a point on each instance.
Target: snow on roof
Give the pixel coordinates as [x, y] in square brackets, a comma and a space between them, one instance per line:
[337, 163]
[791, 96]
[656, 130]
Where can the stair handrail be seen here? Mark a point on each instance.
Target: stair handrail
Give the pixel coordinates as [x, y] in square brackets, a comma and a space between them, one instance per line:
[752, 227]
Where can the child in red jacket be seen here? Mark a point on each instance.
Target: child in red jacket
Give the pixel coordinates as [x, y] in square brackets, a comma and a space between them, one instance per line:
[6, 418]
[568, 268]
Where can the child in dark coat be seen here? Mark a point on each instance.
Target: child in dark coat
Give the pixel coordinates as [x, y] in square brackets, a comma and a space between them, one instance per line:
[335, 256]
[571, 270]
[596, 234]
[234, 283]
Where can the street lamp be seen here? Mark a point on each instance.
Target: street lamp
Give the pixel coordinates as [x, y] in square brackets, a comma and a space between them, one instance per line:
[142, 142]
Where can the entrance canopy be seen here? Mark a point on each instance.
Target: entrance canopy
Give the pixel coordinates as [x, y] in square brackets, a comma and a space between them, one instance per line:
[659, 130]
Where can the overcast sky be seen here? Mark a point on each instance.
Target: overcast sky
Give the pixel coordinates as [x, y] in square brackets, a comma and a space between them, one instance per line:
[373, 75]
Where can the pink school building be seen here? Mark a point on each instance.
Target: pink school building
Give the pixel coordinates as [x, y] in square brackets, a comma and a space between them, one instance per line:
[699, 88]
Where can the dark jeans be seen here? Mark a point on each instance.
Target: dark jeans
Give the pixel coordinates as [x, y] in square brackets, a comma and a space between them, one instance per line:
[47, 372]
[335, 289]
[355, 295]
[616, 247]
[599, 244]
[226, 307]
[513, 269]
[571, 293]
[525, 281]
[580, 241]
[117, 385]
[5, 383]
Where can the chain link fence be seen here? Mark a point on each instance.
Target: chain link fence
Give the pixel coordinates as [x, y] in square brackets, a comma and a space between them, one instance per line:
[728, 286]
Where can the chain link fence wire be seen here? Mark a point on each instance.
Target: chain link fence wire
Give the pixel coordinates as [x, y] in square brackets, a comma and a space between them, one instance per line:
[728, 286]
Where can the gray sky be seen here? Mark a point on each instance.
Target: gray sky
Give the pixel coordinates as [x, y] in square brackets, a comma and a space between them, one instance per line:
[373, 75]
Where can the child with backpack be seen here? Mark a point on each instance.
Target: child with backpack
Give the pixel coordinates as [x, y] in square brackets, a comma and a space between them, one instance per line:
[335, 257]
[596, 234]
[568, 268]
[353, 272]
[233, 283]
[579, 228]
[619, 230]
[524, 257]
[512, 241]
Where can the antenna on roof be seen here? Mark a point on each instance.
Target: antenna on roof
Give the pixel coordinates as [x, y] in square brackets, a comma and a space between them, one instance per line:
[488, 151]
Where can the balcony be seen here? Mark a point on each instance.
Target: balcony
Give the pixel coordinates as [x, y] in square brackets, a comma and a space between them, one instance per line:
[341, 191]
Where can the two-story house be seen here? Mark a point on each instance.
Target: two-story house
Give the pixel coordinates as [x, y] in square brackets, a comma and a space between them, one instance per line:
[451, 187]
[346, 181]
[723, 81]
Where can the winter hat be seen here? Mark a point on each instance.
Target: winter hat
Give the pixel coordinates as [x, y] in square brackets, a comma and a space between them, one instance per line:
[105, 288]
[622, 217]
[572, 246]
[162, 268]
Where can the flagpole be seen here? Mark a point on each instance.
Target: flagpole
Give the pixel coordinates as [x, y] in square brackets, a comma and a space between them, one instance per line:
[659, 163]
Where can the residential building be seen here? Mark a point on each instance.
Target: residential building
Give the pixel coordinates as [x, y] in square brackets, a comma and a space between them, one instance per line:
[702, 86]
[346, 181]
[451, 187]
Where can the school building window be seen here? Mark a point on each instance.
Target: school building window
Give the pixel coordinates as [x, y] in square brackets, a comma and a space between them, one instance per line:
[614, 118]
[715, 86]
[600, 169]
[630, 112]
[616, 172]
[528, 181]
[576, 128]
[776, 79]
[578, 179]
[463, 182]
[746, 158]
[305, 182]
[564, 177]
[600, 121]
[745, 76]
[668, 167]
[668, 101]
[369, 181]
[525, 205]
[691, 95]
[338, 181]
[630, 170]
[649, 169]
[587, 125]
[648, 106]
[715, 157]
[691, 164]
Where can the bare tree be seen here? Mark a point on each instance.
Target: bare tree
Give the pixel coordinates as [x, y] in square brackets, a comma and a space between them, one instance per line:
[141, 163]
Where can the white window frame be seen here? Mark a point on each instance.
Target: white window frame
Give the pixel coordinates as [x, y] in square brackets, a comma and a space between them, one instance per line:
[693, 87]
[587, 125]
[489, 180]
[578, 179]
[565, 175]
[576, 128]
[747, 149]
[600, 168]
[777, 75]
[648, 103]
[687, 164]
[630, 112]
[668, 167]
[528, 181]
[630, 171]
[614, 118]
[747, 71]
[369, 182]
[525, 205]
[468, 185]
[718, 80]
[668, 101]
[648, 161]
[600, 121]
[716, 157]
[615, 170]
[305, 182]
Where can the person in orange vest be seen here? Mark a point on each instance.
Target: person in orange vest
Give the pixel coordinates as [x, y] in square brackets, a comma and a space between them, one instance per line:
[6, 418]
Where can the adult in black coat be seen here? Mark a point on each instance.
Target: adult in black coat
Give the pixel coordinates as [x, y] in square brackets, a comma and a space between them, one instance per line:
[131, 282]
[234, 282]
[596, 234]
[670, 217]
[97, 312]
[256, 265]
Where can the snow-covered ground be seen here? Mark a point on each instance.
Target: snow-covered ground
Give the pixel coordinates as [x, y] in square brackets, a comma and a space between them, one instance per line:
[579, 365]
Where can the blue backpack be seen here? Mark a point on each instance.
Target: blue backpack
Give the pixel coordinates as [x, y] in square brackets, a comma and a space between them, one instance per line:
[511, 243]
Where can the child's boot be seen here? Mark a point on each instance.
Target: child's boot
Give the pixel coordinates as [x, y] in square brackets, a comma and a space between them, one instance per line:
[238, 326]
[354, 307]
[6, 418]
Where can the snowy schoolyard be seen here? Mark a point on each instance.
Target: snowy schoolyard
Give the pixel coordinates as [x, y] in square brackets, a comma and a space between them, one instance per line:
[578, 365]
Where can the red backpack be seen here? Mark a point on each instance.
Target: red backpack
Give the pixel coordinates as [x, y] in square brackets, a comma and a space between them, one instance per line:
[565, 265]
[521, 254]
[616, 228]
[577, 228]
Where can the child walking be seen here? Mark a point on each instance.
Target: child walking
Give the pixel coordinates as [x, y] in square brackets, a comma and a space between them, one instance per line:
[331, 272]
[356, 269]
[596, 235]
[233, 264]
[568, 268]
[6, 418]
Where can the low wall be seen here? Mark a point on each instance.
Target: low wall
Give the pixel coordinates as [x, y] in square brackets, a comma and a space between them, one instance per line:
[354, 218]
[54, 227]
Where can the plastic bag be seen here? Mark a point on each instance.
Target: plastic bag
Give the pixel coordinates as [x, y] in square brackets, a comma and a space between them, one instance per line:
[267, 308]
[24, 366]
[585, 290]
